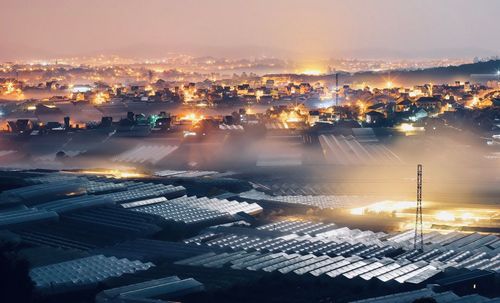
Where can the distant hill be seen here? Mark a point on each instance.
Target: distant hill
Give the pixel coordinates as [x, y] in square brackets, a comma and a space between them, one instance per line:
[436, 75]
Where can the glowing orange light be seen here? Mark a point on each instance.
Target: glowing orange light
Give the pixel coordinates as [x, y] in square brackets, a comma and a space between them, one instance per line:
[445, 216]
[311, 72]
[192, 117]
[100, 98]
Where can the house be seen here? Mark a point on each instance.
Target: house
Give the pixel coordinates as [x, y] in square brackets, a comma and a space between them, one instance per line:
[374, 117]
[20, 125]
[429, 103]
[404, 105]
[376, 106]
[419, 114]
[496, 102]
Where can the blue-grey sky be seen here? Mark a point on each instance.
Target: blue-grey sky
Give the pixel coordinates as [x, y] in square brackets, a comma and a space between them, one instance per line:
[288, 28]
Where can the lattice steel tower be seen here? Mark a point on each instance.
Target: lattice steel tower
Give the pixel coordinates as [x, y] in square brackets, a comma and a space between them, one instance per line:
[418, 241]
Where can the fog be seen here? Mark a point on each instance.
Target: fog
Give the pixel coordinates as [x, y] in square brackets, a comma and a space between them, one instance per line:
[459, 168]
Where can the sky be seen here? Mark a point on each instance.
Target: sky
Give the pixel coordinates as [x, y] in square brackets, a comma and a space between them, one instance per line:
[292, 29]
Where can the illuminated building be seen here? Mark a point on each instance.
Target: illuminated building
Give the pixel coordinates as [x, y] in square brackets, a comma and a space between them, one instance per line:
[429, 103]
[404, 105]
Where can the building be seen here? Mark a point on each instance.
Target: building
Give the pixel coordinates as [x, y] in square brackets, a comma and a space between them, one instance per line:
[374, 117]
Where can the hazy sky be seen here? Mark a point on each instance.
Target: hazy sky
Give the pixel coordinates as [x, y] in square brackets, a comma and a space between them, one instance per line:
[291, 28]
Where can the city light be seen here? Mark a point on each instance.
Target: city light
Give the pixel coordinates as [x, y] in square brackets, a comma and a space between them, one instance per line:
[406, 127]
[311, 72]
[383, 207]
[468, 217]
[9, 88]
[123, 173]
[445, 216]
[100, 98]
[192, 117]
[343, 151]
